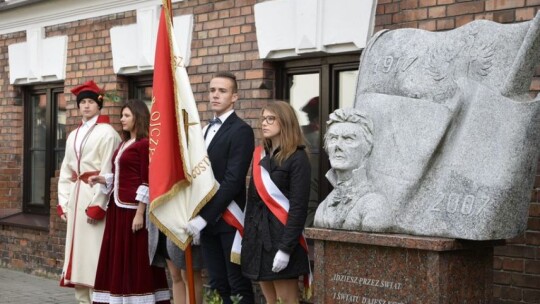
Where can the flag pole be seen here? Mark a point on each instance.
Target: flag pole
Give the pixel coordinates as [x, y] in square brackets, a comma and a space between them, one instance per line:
[189, 271]
[189, 257]
[187, 251]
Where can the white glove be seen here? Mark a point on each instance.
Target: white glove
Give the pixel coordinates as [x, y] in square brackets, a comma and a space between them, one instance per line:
[281, 260]
[195, 226]
[196, 239]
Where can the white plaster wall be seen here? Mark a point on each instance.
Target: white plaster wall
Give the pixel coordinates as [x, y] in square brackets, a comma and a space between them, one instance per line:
[289, 28]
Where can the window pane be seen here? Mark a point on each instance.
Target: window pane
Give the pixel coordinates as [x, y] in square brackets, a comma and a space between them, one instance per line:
[304, 87]
[37, 149]
[39, 123]
[60, 142]
[304, 98]
[144, 94]
[38, 178]
[347, 88]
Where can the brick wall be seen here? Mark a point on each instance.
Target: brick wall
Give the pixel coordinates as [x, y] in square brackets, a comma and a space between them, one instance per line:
[516, 266]
[11, 144]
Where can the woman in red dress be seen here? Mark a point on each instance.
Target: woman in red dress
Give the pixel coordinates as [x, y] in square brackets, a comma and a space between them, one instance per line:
[124, 274]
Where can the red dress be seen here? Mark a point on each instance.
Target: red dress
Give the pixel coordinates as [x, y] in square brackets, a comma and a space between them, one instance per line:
[124, 274]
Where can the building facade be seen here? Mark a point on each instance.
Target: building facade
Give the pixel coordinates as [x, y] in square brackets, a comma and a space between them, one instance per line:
[304, 51]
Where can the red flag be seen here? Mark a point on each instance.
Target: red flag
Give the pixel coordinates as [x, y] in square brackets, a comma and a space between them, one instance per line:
[166, 168]
[181, 180]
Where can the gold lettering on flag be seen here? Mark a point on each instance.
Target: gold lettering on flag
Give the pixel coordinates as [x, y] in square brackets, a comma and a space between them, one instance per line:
[155, 130]
[181, 180]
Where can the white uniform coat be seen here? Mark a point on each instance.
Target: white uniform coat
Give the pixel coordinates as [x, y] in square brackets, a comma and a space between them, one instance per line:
[83, 240]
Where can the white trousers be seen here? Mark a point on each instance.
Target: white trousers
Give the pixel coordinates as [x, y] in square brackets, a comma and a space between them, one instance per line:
[83, 294]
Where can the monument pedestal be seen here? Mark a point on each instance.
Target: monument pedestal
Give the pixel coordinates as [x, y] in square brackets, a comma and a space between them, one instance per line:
[370, 268]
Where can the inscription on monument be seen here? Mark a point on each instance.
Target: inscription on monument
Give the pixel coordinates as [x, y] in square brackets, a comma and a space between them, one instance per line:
[351, 298]
[361, 299]
[466, 204]
[397, 64]
[365, 281]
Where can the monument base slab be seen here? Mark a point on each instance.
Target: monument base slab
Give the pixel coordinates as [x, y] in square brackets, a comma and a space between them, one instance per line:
[370, 268]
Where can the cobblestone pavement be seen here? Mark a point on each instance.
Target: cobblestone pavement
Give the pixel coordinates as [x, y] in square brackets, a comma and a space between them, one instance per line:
[21, 288]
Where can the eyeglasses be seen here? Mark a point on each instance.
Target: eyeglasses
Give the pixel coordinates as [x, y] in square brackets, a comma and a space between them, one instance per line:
[269, 119]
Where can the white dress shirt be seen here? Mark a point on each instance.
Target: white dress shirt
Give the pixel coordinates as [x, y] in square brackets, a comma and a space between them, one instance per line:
[81, 133]
[215, 127]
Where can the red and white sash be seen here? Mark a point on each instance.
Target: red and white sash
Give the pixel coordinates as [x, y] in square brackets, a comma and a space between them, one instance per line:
[276, 201]
[234, 216]
[272, 197]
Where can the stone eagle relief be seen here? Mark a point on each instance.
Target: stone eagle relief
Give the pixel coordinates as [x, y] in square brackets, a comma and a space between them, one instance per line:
[455, 131]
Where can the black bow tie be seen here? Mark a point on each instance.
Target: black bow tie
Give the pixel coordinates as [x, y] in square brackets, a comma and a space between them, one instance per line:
[214, 121]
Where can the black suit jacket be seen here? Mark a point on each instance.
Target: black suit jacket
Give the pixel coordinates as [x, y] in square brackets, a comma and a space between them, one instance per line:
[230, 153]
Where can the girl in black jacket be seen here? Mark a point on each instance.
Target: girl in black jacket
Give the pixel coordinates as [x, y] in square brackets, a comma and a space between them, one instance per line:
[274, 251]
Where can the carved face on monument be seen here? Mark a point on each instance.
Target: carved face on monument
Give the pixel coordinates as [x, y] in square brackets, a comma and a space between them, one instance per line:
[344, 143]
[354, 203]
[348, 140]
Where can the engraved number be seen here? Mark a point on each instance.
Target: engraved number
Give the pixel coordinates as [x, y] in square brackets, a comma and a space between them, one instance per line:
[388, 60]
[453, 201]
[464, 203]
[468, 204]
[398, 64]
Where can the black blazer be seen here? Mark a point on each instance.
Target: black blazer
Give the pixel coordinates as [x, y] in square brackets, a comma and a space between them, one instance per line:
[230, 153]
[264, 234]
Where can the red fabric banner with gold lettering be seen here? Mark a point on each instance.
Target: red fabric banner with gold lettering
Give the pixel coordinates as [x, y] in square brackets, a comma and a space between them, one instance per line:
[166, 169]
[181, 180]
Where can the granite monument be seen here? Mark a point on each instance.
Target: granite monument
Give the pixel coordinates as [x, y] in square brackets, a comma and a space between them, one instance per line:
[455, 135]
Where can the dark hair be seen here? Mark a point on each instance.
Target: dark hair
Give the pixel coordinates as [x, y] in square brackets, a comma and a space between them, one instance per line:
[229, 76]
[98, 98]
[141, 117]
[311, 108]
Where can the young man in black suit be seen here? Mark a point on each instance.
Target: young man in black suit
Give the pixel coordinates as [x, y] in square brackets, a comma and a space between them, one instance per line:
[230, 143]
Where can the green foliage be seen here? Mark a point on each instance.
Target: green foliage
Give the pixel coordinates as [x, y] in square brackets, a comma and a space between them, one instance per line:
[112, 96]
[213, 297]
[236, 299]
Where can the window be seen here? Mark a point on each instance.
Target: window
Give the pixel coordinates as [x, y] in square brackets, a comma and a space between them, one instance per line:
[44, 143]
[140, 87]
[315, 87]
